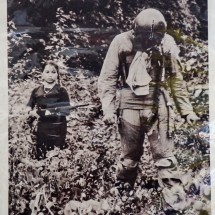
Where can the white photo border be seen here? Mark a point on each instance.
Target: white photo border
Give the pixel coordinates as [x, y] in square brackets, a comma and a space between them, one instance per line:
[4, 104]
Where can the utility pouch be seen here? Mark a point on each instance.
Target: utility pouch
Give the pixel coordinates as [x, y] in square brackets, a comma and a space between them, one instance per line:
[170, 113]
[171, 121]
[151, 121]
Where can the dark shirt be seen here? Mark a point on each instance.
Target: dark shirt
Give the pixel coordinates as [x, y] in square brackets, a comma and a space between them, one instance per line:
[57, 97]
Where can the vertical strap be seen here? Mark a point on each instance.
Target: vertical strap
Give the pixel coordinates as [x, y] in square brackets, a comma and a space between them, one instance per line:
[122, 69]
[163, 64]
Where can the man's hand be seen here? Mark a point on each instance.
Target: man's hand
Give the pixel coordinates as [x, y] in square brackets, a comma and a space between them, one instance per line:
[192, 118]
[110, 118]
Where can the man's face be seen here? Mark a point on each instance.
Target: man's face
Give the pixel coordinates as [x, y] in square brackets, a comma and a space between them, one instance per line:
[148, 39]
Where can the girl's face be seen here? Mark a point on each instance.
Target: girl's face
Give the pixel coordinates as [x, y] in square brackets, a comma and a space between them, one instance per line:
[50, 74]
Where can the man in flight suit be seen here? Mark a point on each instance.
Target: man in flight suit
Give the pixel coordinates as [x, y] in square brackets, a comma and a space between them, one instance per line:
[145, 63]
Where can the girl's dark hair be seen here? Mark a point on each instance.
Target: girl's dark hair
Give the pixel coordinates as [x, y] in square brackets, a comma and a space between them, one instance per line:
[51, 62]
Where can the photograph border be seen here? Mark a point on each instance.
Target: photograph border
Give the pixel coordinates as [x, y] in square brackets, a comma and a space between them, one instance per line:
[211, 49]
[3, 111]
[4, 105]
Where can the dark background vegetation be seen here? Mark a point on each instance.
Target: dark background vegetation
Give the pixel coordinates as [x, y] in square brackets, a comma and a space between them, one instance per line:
[77, 34]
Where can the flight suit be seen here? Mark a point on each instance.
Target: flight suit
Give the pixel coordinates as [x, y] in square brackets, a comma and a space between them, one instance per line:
[149, 114]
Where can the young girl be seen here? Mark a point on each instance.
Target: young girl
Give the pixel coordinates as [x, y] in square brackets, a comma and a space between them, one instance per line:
[50, 104]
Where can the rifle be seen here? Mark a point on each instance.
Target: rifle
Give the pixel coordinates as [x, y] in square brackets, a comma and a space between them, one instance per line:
[32, 121]
[61, 108]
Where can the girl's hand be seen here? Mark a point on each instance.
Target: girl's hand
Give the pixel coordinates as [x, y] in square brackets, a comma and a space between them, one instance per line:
[47, 113]
[33, 113]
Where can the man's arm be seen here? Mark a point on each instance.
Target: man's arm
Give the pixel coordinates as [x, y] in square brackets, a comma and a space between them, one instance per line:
[178, 85]
[107, 82]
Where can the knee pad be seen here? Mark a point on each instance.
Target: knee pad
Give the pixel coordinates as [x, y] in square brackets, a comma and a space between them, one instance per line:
[127, 171]
[169, 162]
[128, 163]
[168, 173]
[126, 166]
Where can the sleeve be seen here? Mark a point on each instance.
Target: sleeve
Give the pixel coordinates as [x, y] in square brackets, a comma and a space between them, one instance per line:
[176, 83]
[64, 103]
[107, 82]
[32, 101]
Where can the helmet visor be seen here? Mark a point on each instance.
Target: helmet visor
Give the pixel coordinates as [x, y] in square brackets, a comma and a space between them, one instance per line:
[150, 36]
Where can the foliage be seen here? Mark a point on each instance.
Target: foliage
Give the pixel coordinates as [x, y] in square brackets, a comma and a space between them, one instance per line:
[189, 16]
[85, 172]
[76, 46]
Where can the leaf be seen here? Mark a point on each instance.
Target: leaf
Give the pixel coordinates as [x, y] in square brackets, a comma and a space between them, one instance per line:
[176, 197]
[198, 205]
[49, 47]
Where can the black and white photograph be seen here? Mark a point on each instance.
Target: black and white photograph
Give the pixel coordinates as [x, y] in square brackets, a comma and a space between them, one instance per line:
[108, 108]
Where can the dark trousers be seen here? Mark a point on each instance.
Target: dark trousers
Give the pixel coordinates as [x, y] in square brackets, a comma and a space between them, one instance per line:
[133, 127]
[50, 134]
[47, 143]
